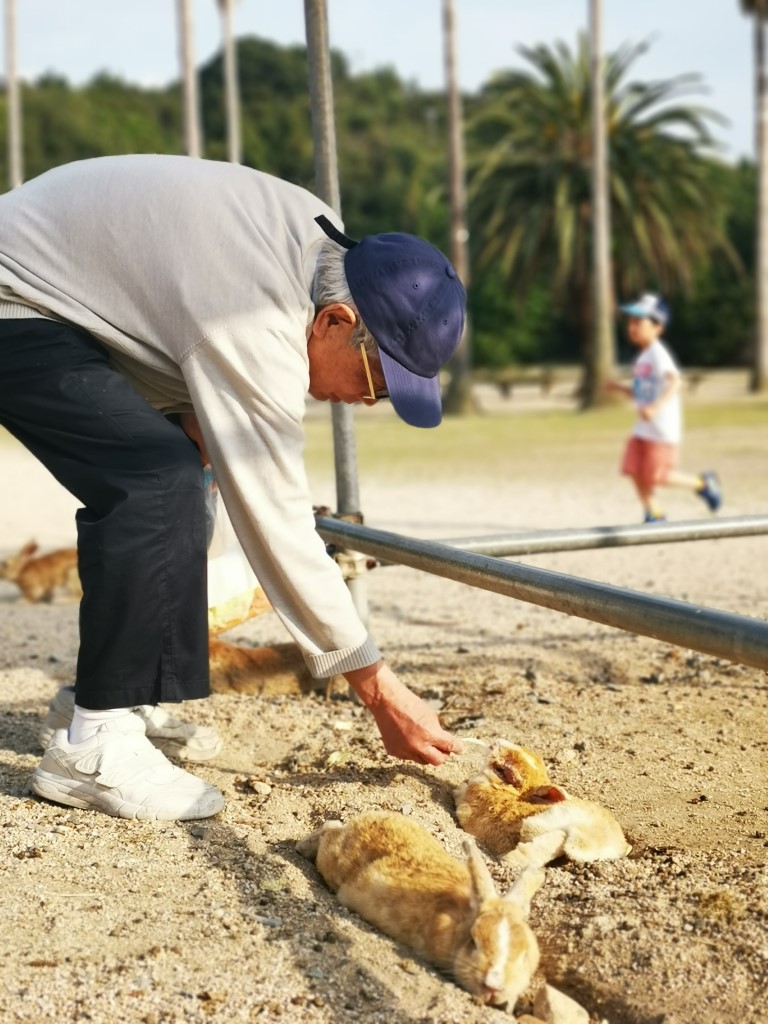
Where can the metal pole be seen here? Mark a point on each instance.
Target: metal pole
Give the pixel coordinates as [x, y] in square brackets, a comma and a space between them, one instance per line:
[327, 188]
[718, 633]
[540, 541]
[602, 323]
[459, 398]
[15, 159]
[759, 378]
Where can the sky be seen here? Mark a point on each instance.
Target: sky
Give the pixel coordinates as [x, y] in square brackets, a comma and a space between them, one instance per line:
[136, 40]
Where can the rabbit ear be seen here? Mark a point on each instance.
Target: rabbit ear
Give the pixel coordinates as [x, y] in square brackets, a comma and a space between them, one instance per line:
[29, 548]
[525, 888]
[547, 795]
[480, 879]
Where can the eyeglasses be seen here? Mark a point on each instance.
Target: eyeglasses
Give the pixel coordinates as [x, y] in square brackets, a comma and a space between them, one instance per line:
[374, 395]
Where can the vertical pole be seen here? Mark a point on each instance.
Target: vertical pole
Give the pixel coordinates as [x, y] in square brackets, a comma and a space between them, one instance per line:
[327, 187]
[15, 162]
[459, 233]
[459, 397]
[191, 109]
[759, 380]
[231, 88]
[602, 332]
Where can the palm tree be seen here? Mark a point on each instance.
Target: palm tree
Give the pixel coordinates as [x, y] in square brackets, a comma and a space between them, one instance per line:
[530, 184]
[234, 146]
[15, 160]
[192, 144]
[759, 10]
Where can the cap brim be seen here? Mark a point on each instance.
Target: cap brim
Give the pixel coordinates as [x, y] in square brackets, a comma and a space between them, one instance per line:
[635, 309]
[415, 399]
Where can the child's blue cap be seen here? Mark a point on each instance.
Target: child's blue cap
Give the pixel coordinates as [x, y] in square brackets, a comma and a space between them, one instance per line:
[648, 306]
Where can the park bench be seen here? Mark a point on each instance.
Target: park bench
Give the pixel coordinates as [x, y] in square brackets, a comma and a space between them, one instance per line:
[507, 378]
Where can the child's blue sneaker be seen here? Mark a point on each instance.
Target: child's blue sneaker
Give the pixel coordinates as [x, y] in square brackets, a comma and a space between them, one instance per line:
[711, 491]
[654, 517]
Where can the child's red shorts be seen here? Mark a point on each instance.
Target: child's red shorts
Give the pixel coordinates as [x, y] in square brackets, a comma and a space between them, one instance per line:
[649, 462]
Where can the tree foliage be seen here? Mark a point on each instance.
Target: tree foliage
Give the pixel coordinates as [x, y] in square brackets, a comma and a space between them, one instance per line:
[530, 189]
[672, 199]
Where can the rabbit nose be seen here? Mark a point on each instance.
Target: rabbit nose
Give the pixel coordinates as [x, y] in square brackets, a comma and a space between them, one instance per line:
[493, 982]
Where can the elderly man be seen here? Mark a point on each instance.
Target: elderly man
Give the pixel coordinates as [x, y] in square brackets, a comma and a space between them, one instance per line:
[136, 286]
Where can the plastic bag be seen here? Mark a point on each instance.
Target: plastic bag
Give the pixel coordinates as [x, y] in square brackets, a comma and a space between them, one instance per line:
[234, 594]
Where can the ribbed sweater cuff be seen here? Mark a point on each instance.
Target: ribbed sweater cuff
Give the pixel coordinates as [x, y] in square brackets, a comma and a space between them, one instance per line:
[18, 311]
[334, 662]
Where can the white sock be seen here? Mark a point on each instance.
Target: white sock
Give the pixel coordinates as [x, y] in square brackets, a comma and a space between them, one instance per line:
[85, 722]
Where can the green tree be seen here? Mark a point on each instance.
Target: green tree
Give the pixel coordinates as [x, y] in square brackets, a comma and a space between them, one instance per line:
[530, 187]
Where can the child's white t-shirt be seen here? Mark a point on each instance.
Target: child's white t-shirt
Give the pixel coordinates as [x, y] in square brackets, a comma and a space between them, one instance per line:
[648, 383]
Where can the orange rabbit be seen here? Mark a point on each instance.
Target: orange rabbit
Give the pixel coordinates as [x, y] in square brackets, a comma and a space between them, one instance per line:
[513, 806]
[398, 877]
[39, 578]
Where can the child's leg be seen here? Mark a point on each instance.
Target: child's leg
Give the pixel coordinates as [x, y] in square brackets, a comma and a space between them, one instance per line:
[706, 485]
[685, 480]
[638, 464]
[644, 492]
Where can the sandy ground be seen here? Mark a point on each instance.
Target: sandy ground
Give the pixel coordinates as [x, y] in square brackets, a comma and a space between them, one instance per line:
[107, 920]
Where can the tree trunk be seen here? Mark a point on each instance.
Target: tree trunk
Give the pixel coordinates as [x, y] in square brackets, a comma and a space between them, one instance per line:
[234, 145]
[191, 107]
[600, 360]
[15, 159]
[458, 398]
[759, 376]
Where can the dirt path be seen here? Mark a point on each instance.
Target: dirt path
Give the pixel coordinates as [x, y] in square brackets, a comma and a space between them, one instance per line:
[113, 921]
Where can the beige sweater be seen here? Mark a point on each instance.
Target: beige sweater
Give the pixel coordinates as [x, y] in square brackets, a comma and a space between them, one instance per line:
[197, 277]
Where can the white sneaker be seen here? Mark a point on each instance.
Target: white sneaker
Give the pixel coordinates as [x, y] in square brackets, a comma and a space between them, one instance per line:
[177, 739]
[118, 771]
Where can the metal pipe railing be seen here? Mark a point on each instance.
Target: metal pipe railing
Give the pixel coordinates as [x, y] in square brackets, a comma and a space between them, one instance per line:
[718, 633]
[540, 541]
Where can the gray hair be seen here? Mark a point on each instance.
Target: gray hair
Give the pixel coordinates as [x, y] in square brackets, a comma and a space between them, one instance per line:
[330, 285]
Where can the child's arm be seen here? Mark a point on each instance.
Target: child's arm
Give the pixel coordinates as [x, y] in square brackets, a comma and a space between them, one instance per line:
[617, 385]
[671, 387]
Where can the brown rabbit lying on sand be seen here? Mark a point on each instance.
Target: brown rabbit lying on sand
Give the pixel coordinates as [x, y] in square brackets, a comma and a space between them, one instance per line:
[266, 671]
[398, 877]
[39, 578]
[512, 805]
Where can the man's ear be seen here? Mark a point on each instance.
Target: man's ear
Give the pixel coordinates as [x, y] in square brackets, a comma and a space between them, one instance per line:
[331, 316]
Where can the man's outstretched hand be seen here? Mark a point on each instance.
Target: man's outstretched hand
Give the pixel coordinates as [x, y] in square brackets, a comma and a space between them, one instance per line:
[409, 728]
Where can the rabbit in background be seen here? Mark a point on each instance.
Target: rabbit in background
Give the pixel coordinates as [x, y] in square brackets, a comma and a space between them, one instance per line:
[516, 811]
[398, 877]
[40, 577]
[265, 671]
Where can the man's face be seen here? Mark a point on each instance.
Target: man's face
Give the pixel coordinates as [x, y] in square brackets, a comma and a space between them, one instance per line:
[642, 331]
[336, 369]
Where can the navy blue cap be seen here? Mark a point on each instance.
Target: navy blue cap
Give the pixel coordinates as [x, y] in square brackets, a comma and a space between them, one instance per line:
[413, 303]
[648, 306]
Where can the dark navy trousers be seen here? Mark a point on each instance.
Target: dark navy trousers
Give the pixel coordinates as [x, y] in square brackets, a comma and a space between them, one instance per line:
[141, 535]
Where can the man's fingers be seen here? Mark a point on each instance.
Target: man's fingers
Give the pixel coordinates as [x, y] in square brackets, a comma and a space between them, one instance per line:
[434, 756]
[448, 743]
[441, 749]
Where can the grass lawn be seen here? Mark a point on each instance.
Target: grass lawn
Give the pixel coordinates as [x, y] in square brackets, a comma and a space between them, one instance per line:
[541, 441]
